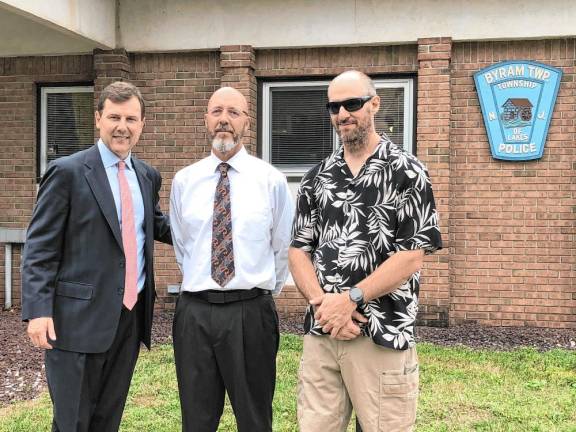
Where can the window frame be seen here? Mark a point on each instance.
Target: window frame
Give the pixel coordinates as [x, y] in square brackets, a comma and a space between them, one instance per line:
[408, 83]
[43, 89]
[267, 118]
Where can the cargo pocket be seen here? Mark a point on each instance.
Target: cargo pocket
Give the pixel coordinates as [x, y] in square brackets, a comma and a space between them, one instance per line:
[398, 400]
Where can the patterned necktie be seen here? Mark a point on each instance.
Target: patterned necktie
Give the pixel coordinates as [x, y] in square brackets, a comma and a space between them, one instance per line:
[222, 249]
[128, 239]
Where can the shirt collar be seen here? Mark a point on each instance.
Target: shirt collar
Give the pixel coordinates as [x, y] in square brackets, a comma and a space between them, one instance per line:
[109, 158]
[238, 161]
[379, 151]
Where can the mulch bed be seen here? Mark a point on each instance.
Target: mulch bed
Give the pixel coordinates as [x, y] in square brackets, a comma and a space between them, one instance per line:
[22, 371]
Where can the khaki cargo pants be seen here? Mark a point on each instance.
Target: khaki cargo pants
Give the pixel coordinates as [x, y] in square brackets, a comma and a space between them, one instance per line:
[380, 383]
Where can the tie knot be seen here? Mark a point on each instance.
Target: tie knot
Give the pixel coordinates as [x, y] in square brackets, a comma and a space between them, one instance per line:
[223, 168]
[121, 165]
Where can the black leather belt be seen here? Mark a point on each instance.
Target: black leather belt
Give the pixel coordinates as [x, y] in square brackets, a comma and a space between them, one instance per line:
[215, 296]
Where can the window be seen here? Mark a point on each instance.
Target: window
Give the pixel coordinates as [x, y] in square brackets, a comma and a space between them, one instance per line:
[296, 129]
[66, 122]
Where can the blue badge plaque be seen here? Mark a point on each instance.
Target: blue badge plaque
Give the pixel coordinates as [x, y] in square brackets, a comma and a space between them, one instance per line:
[517, 100]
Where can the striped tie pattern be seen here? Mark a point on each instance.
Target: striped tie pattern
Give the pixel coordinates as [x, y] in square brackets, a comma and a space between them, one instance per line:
[222, 248]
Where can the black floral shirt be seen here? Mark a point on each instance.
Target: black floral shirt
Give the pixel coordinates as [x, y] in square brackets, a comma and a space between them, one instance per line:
[350, 225]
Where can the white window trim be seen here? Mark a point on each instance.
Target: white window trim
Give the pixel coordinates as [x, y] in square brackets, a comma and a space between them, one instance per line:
[267, 119]
[44, 91]
[406, 83]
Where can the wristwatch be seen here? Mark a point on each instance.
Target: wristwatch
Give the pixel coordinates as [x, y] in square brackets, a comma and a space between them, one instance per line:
[356, 295]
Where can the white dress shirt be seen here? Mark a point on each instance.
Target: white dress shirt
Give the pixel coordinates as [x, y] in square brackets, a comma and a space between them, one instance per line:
[262, 211]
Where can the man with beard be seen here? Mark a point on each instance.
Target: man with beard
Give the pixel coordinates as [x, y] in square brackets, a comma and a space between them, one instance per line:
[365, 218]
[231, 216]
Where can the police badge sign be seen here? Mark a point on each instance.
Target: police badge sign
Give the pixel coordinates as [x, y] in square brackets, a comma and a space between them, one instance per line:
[517, 100]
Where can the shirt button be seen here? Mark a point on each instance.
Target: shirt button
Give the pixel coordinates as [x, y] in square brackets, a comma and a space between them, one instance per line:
[122, 264]
[120, 291]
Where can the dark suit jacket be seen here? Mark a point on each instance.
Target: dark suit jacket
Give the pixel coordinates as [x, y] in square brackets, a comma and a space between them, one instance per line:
[73, 261]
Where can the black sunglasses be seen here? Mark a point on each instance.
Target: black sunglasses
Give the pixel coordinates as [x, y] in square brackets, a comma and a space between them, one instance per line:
[349, 105]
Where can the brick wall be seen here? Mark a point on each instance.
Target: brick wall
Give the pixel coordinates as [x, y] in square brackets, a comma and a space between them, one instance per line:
[508, 227]
[237, 64]
[176, 88]
[512, 223]
[433, 148]
[109, 66]
[18, 78]
[332, 61]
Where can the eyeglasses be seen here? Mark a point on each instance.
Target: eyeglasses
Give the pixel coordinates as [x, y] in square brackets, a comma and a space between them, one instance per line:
[232, 112]
[350, 105]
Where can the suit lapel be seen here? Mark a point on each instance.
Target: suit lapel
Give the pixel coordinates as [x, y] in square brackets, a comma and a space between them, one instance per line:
[100, 186]
[145, 188]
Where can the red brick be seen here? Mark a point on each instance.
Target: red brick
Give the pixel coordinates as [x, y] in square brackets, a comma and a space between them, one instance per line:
[507, 227]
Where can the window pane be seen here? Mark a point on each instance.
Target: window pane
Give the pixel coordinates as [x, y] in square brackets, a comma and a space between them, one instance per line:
[70, 123]
[390, 117]
[301, 134]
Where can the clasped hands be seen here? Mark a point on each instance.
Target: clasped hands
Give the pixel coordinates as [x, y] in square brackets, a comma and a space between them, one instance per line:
[337, 315]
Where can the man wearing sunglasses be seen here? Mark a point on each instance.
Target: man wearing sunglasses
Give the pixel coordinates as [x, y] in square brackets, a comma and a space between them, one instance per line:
[365, 219]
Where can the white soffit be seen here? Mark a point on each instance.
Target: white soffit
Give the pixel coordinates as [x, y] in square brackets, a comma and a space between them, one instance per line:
[56, 27]
[175, 25]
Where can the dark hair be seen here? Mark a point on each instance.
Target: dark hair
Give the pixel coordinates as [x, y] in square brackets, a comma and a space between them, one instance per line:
[118, 92]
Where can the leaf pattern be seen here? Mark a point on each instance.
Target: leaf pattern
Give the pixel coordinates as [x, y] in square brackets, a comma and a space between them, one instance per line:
[350, 225]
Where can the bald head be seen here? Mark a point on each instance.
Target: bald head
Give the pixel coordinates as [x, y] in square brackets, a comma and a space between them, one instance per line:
[226, 121]
[353, 105]
[353, 79]
[228, 96]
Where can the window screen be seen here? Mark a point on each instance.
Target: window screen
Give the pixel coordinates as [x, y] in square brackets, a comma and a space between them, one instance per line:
[297, 132]
[390, 118]
[67, 122]
[301, 131]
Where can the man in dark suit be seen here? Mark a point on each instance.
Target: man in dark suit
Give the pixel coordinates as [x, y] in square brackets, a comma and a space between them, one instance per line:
[87, 268]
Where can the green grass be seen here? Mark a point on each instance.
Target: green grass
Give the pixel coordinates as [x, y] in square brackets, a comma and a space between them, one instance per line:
[461, 390]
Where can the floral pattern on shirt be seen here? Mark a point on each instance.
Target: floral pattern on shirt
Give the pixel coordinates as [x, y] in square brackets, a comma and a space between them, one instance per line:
[350, 225]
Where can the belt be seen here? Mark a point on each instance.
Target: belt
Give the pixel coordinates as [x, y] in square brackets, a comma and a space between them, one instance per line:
[215, 296]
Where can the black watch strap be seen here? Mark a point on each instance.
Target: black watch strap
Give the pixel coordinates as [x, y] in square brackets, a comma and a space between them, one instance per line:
[356, 295]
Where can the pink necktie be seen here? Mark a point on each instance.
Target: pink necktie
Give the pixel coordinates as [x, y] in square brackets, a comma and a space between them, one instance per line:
[128, 239]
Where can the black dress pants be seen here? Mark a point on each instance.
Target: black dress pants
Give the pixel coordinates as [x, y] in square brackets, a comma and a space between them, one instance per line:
[89, 391]
[229, 347]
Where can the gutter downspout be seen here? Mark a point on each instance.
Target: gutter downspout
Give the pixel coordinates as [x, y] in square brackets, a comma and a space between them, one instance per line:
[8, 276]
[10, 237]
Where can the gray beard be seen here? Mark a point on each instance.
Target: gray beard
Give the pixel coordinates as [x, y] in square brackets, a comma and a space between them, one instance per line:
[223, 146]
[356, 141]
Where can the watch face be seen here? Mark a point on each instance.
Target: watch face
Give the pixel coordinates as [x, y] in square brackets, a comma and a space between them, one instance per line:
[356, 295]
